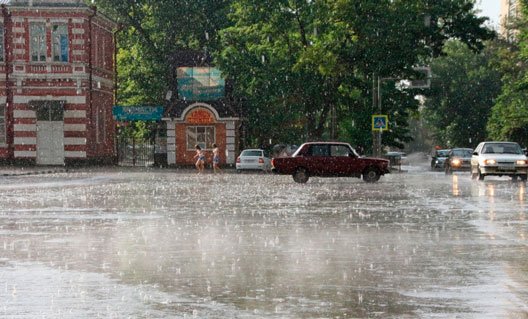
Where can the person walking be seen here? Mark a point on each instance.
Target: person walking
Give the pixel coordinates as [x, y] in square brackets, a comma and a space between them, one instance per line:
[216, 158]
[200, 159]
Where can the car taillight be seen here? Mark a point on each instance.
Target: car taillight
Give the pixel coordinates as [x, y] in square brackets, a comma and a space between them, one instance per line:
[238, 160]
[272, 162]
[261, 160]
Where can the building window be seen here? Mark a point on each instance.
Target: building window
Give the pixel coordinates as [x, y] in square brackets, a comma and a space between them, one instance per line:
[37, 33]
[52, 111]
[2, 52]
[60, 43]
[2, 124]
[200, 135]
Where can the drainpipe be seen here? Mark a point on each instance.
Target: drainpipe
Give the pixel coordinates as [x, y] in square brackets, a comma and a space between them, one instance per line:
[91, 130]
[116, 140]
[120, 28]
[9, 116]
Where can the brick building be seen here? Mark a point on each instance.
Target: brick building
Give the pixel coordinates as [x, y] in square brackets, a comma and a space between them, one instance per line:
[57, 82]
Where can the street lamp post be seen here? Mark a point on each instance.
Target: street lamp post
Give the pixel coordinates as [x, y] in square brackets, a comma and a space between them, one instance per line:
[376, 100]
[376, 104]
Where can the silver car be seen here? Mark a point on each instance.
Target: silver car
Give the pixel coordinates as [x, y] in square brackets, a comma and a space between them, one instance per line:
[253, 159]
[499, 159]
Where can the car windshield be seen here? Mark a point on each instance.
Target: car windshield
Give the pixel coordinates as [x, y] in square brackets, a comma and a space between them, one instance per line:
[442, 153]
[462, 153]
[502, 148]
[251, 153]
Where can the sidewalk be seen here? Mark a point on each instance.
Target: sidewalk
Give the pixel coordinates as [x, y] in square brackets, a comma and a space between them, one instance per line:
[30, 170]
[18, 170]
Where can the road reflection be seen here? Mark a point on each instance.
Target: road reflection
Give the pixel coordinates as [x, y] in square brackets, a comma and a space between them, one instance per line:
[255, 246]
[455, 187]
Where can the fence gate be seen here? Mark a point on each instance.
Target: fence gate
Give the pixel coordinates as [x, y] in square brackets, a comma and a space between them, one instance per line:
[135, 152]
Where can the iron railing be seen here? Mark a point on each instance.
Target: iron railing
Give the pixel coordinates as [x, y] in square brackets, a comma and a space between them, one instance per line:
[135, 152]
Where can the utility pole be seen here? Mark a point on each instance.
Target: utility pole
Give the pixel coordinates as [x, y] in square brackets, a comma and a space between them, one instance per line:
[374, 105]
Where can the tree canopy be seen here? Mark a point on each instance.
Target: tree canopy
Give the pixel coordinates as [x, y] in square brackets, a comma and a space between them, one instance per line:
[311, 65]
[463, 91]
[509, 116]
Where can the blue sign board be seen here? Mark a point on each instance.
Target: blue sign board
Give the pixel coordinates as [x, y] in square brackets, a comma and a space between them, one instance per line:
[137, 113]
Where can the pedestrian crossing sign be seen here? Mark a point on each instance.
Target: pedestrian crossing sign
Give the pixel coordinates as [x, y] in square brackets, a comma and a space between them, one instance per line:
[380, 122]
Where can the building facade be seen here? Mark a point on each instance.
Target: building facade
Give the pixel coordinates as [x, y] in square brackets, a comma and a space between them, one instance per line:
[201, 111]
[57, 82]
[510, 10]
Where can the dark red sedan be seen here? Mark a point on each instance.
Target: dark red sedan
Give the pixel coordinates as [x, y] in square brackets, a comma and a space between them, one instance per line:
[328, 159]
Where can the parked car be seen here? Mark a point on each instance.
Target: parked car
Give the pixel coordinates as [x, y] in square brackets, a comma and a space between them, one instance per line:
[329, 159]
[397, 158]
[253, 159]
[438, 159]
[498, 159]
[458, 159]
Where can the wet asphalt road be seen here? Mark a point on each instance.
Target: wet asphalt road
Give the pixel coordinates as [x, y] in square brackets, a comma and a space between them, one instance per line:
[167, 244]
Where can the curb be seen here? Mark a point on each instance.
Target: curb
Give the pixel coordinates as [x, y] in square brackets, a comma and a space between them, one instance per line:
[34, 172]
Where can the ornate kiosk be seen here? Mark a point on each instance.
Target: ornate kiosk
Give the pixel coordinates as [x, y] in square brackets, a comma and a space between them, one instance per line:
[202, 112]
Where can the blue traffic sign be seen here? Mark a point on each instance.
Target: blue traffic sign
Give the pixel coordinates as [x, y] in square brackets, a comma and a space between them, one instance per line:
[380, 122]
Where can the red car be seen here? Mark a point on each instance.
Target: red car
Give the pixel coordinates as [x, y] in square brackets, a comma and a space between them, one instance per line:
[328, 159]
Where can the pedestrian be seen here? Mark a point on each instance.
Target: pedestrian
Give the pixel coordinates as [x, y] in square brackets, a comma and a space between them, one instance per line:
[200, 159]
[216, 158]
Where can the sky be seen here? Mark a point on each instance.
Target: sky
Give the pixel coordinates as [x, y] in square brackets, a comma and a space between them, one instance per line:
[490, 9]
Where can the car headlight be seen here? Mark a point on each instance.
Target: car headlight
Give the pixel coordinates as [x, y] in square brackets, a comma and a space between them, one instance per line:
[521, 162]
[456, 162]
[490, 162]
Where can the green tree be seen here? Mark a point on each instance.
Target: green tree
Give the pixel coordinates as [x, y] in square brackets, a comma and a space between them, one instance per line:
[151, 31]
[463, 91]
[307, 66]
[509, 116]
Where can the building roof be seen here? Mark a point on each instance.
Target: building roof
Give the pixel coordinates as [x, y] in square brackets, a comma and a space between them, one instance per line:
[228, 106]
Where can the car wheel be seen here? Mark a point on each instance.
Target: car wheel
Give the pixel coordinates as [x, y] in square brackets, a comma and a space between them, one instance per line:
[514, 178]
[523, 177]
[371, 175]
[480, 175]
[301, 176]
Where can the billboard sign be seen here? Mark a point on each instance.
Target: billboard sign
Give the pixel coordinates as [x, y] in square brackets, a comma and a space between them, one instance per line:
[424, 82]
[200, 83]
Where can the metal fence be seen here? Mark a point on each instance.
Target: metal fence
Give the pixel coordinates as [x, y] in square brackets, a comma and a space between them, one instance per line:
[135, 152]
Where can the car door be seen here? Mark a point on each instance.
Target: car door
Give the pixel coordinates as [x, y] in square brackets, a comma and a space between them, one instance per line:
[344, 160]
[318, 159]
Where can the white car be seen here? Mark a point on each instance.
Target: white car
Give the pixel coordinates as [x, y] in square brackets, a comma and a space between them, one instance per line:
[253, 159]
[499, 159]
